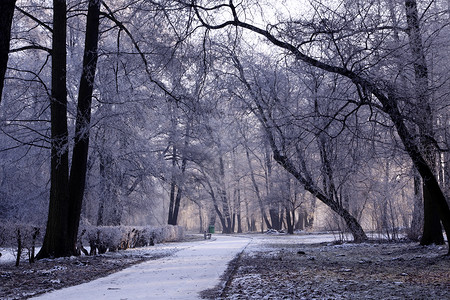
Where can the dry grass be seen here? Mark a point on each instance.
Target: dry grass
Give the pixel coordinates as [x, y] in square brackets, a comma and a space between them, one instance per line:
[349, 271]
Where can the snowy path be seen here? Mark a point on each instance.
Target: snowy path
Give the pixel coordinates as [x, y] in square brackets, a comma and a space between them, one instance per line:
[180, 276]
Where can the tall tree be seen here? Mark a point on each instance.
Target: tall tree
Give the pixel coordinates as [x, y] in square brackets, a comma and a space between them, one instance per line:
[77, 179]
[176, 189]
[56, 243]
[66, 194]
[432, 230]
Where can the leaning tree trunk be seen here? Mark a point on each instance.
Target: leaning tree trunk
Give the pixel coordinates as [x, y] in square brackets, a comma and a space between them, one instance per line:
[304, 179]
[6, 18]
[353, 225]
[56, 243]
[78, 169]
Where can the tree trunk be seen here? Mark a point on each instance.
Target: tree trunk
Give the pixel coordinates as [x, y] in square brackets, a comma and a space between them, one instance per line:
[78, 169]
[172, 186]
[249, 217]
[239, 223]
[353, 225]
[200, 218]
[6, 18]
[309, 214]
[184, 161]
[430, 181]
[106, 197]
[290, 219]
[257, 192]
[176, 207]
[56, 242]
[432, 230]
[223, 196]
[300, 224]
[275, 218]
[237, 208]
[225, 216]
[178, 181]
[447, 172]
[417, 217]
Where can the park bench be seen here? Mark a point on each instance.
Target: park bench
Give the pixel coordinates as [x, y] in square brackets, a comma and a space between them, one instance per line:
[207, 235]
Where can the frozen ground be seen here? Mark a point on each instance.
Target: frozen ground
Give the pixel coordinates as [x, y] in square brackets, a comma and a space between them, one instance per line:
[264, 267]
[297, 267]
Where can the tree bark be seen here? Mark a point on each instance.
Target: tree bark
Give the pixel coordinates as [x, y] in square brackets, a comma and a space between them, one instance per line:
[66, 195]
[172, 186]
[78, 169]
[417, 217]
[257, 192]
[107, 195]
[6, 18]
[432, 230]
[56, 243]
[289, 221]
[180, 181]
[176, 207]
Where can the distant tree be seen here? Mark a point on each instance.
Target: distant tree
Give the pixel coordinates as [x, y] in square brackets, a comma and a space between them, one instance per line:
[286, 140]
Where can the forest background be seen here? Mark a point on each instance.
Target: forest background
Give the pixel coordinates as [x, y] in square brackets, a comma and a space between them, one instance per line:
[247, 116]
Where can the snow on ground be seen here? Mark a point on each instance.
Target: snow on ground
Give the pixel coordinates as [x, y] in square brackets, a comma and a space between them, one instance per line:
[269, 266]
[180, 276]
[312, 267]
[8, 255]
[164, 249]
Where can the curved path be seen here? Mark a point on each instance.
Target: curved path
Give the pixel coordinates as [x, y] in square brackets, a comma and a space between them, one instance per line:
[180, 276]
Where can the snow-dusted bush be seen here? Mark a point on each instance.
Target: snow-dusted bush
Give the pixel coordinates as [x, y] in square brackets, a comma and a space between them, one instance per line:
[103, 238]
[28, 234]
[20, 237]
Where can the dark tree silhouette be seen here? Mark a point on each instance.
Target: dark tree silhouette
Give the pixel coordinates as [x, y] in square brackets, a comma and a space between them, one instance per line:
[6, 18]
[66, 195]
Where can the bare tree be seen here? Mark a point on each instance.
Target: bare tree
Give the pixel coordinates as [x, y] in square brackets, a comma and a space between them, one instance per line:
[66, 194]
[77, 179]
[56, 243]
[371, 89]
[432, 230]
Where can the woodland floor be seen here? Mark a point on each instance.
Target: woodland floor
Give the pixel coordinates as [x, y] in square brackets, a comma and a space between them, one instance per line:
[271, 267]
[275, 268]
